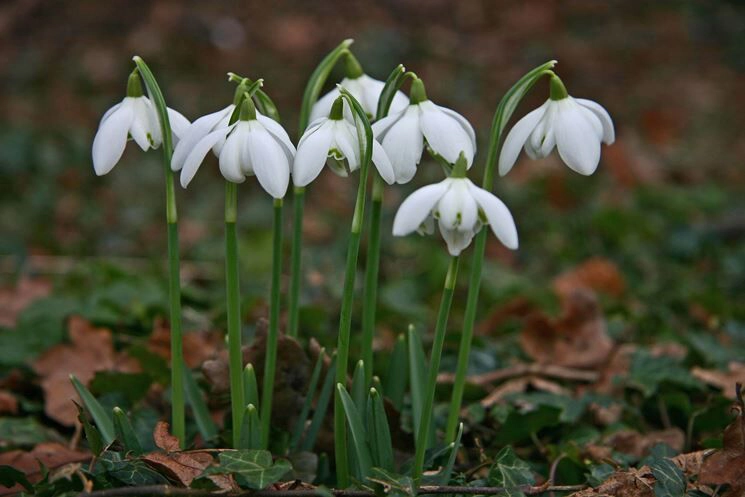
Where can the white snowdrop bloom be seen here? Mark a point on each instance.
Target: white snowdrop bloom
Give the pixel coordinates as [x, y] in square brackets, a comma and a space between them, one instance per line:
[575, 126]
[198, 130]
[253, 145]
[334, 141]
[460, 209]
[367, 92]
[135, 117]
[403, 134]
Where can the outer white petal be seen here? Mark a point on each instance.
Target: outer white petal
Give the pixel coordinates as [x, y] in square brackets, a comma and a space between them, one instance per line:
[462, 121]
[111, 138]
[576, 139]
[400, 102]
[345, 139]
[417, 206]
[383, 163]
[109, 112]
[497, 214]
[179, 124]
[268, 160]
[517, 137]
[276, 130]
[198, 152]
[142, 124]
[456, 239]
[445, 135]
[195, 132]
[231, 165]
[322, 107]
[311, 154]
[457, 207]
[609, 132]
[404, 144]
[380, 128]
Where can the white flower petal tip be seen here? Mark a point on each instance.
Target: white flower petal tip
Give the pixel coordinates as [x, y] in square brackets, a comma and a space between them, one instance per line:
[367, 92]
[575, 127]
[461, 209]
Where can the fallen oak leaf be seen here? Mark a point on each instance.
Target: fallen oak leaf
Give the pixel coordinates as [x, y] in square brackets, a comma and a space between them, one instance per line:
[163, 438]
[722, 380]
[48, 456]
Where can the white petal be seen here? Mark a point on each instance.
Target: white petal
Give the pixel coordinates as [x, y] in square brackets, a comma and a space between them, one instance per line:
[609, 133]
[276, 130]
[179, 124]
[400, 102]
[445, 135]
[403, 143]
[231, 154]
[345, 140]
[576, 139]
[382, 163]
[457, 207]
[497, 214]
[463, 122]
[380, 128]
[456, 239]
[111, 138]
[108, 113]
[195, 132]
[417, 206]
[517, 137]
[198, 152]
[311, 154]
[268, 160]
[322, 107]
[141, 129]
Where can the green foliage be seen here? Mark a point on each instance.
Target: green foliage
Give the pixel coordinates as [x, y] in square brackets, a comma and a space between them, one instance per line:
[125, 433]
[110, 465]
[9, 476]
[510, 472]
[132, 386]
[252, 468]
[358, 434]
[102, 419]
[649, 372]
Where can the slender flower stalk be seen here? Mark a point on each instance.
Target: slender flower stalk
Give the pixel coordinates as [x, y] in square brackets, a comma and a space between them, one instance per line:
[270, 362]
[434, 367]
[174, 284]
[235, 354]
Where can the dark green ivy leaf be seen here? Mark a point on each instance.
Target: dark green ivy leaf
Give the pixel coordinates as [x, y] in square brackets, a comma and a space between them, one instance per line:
[252, 468]
[510, 472]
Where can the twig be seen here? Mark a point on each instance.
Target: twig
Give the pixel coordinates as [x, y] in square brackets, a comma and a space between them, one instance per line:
[166, 490]
[560, 372]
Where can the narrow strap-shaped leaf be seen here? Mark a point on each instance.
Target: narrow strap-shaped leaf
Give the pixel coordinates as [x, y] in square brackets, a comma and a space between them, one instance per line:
[250, 385]
[251, 429]
[322, 407]
[418, 376]
[125, 433]
[366, 145]
[357, 430]
[102, 419]
[358, 386]
[455, 447]
[395, 81]
[379, 432]
[317, 80]
[308, 403]
[194, 397]
[397, 375]
[504, 111]
[91, 432]
[266, 105]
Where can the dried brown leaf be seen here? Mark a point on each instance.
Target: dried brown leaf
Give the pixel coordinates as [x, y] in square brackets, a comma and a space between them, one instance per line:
[50, 455]
[163, 438]
[597, 274]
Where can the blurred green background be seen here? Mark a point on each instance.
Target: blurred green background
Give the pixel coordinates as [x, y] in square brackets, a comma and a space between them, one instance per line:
[666, 204]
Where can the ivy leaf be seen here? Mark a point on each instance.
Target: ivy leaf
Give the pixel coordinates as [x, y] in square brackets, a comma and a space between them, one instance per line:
[510, 472]
[9, 476]
[671, 481]
[254, 467]
[648, 372]
[133, 473]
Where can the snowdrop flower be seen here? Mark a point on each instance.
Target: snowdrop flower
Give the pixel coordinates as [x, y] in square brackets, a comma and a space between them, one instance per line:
[334, 141]
[574, 125]
[403, 134]
[362, 87]
[198, 130]
[253, 145]
[460, 209]
[134, 116]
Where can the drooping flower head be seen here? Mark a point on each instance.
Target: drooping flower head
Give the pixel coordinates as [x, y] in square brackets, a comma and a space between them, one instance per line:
[362, 87]
[460, 209]
[575, 126]
[253, 145]
[134, 117]
[334, 141]
[405, 133]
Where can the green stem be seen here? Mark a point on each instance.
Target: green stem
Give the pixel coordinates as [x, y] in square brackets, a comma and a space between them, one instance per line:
[464, 350]
[345, 327]
[371, 278]
[295, 261]
[270, 359]
[434, 366]
[237, 398]
[177, 351]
